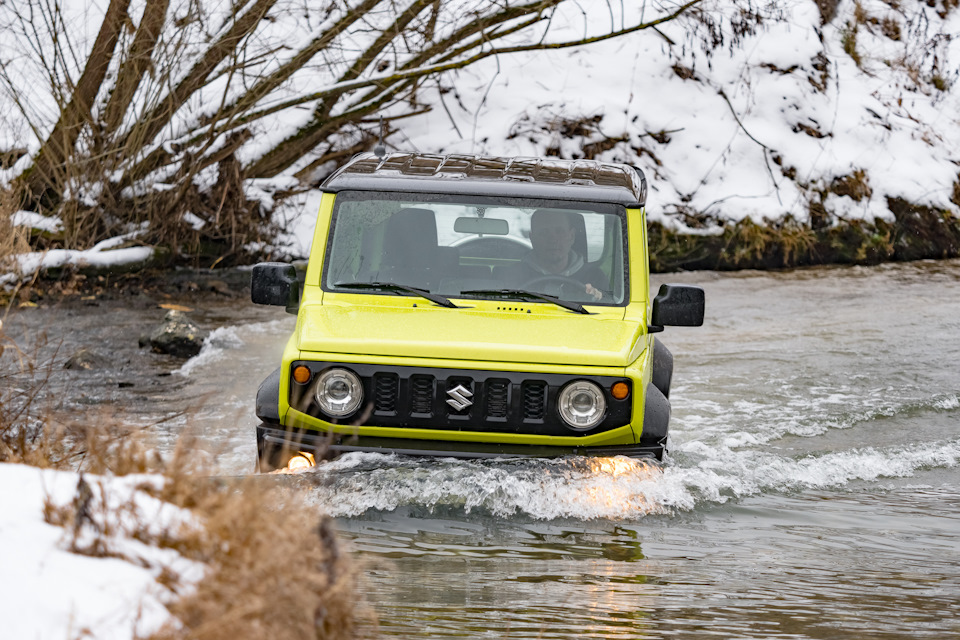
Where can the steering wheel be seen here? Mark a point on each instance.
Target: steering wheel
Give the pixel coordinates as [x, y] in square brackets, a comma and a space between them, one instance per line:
[554, 285]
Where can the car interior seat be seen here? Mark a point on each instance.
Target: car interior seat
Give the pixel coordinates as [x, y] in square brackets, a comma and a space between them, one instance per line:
[410, 252]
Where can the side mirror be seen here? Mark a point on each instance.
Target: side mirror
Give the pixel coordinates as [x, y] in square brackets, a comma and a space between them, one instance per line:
[275, 283]
[677, 305]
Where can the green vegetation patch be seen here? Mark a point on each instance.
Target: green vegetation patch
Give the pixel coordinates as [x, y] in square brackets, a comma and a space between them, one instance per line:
[916, 233]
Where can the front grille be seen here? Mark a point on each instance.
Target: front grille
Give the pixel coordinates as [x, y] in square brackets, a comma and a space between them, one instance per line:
[489, 401]
[498, 397]
[421, 394]
[534, 399]
[385, 390]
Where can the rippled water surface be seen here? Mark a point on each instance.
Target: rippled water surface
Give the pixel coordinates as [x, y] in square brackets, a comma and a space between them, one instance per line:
[812, 488]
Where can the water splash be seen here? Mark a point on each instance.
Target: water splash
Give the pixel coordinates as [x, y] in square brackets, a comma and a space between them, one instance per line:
[609, 488]
[214, 345]
[227, 341]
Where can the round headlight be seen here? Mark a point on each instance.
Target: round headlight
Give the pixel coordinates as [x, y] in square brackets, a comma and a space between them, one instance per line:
[339, 392]
[581, 405]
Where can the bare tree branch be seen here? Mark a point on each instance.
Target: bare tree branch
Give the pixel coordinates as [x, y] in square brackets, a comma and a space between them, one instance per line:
[136, 64]
[58, 146]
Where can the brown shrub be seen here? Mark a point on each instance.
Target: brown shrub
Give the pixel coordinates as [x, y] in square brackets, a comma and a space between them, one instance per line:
[13, 240]
[277, 569]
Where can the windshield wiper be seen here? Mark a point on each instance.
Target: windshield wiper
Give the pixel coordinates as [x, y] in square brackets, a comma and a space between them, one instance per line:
[524, 294]
[393, 286]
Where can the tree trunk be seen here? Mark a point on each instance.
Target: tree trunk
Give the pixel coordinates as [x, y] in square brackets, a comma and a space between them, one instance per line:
[44, 178]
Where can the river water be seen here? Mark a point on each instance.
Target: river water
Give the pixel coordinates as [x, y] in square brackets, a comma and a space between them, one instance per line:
[812, 488]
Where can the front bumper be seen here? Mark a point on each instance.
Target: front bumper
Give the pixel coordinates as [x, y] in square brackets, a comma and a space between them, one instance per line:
[273, 440]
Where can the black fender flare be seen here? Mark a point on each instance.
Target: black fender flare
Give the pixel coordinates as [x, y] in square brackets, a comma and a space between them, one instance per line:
[268, 398]
[656, 418]
[662, 367]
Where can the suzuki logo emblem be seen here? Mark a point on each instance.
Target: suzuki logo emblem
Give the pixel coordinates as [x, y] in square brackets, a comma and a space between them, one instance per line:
[459, 397]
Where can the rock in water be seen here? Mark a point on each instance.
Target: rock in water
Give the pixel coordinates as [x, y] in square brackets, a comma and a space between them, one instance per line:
[86, 359]
[177, 336]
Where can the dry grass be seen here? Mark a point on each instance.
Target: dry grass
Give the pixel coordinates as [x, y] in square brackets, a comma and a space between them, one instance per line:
[277, 569]
[24, 434]
[785, 241]
[13, 240]
[848, 39]
[890, 27]
[274, 566]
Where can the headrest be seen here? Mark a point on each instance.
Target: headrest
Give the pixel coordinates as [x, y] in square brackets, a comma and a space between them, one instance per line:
[411, 239]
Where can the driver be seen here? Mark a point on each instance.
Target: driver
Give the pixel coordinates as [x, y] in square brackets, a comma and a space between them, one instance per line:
[552, 234]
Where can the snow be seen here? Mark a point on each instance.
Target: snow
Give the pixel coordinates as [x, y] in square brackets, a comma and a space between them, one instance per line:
[103, 255]
[48, 592]
[36, 221]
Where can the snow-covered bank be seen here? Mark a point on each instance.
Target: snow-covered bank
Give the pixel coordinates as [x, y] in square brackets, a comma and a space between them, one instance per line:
[112, 590]
[795, 118]
[114, 558]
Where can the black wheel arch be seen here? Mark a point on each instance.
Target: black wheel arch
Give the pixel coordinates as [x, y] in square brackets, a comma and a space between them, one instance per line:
[268, 398]
[662, 367]
[656, 418]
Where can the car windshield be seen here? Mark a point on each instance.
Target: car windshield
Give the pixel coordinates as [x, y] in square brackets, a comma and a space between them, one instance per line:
[477, 247]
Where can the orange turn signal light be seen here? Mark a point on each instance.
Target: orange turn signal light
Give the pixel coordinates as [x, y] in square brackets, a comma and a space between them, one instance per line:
[301, 374]
[620, 390]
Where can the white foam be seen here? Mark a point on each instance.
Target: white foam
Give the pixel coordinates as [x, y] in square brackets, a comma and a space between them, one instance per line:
[222, 340]
[214, 345]
[609, 488]
[948, 403]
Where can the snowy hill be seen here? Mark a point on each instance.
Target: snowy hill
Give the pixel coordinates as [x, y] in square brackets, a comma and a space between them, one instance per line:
[816, 115]
[796, 118]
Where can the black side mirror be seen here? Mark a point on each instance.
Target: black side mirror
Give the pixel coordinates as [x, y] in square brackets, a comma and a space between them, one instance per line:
[275, 283]
[677, 305]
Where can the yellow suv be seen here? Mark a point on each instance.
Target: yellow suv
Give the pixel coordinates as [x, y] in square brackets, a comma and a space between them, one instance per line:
[473, 307]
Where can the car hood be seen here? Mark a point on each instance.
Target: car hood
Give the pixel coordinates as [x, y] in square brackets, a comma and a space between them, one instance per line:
[490, 332]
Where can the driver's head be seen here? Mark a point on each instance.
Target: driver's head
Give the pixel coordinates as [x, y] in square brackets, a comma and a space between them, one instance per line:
[552, 234]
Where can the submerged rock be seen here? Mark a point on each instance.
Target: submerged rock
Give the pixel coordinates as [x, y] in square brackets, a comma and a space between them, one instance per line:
[86, 359]
[177, 336]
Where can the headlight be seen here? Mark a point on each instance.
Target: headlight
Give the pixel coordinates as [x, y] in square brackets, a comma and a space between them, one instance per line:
[581, 405]
[339, 392]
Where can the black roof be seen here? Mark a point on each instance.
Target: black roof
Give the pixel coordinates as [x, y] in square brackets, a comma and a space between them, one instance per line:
[550, 178]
